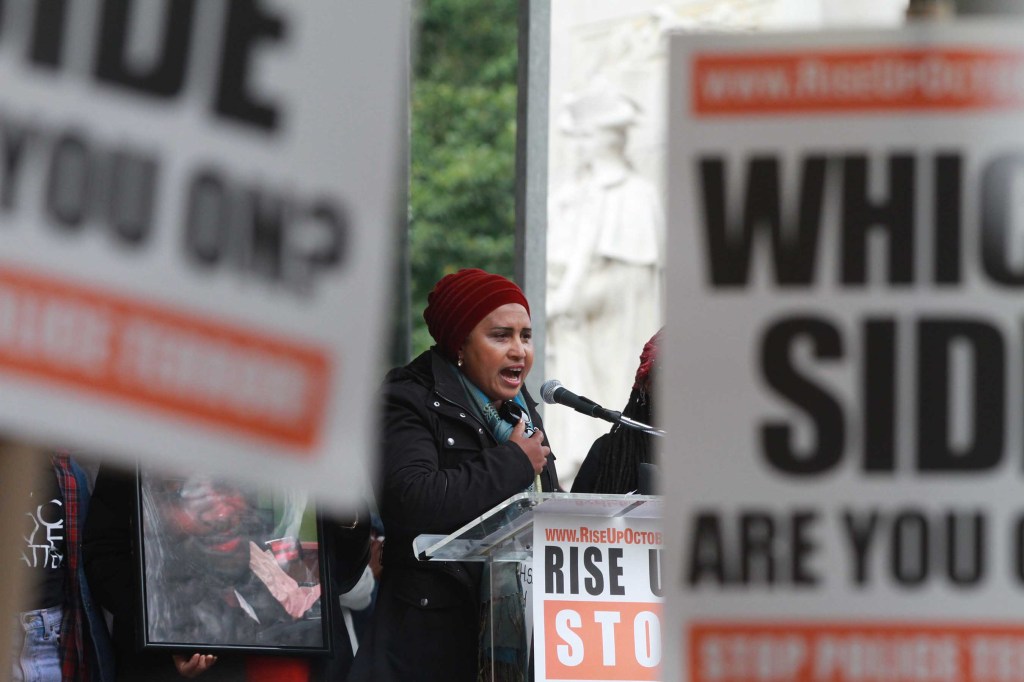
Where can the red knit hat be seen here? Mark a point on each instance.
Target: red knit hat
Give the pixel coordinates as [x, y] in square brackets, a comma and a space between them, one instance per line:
[648, 360]
[460, 300]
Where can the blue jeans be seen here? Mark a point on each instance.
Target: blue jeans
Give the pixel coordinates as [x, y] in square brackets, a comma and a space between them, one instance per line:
[37, 646]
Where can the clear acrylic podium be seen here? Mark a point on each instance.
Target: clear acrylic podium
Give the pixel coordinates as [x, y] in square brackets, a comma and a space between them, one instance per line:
[505, 533]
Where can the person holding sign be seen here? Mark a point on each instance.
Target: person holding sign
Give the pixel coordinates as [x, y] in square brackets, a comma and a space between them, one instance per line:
[211, 584]
[450, 454]
[615, 460]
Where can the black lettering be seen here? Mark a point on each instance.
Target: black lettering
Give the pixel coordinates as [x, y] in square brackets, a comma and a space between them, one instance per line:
[615, 572]
[133, 186]
[730, 246]
[948, 218]
[262, 231]
[757, 538]
[574, 570]
[965, 548]
[895, 216]
[69, 183]
[654, 571]
[879, 395]
[1018, 554]
[936, 339]
[707, 551]
[554, 576]
[209, 216]
[15, 140]
[595, 583]
[247, 25]
[166, 75]
[267, 244]
[803, 548]
[909, 549]
[912, 537]
[314, 240]
[48, 34]
[824, 410]
[331, 240]
[998, 207]
[860, 532]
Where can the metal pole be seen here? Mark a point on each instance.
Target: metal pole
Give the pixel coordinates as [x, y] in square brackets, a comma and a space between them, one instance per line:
[640, 426]
[401, 324]
[532, 169]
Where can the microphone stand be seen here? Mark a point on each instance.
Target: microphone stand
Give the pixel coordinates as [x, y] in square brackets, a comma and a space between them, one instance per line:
[592, 409]
[639, 426]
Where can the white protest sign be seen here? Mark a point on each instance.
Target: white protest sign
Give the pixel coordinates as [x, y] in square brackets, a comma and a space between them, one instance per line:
[843, 357]
[196, 201]
[596, 598]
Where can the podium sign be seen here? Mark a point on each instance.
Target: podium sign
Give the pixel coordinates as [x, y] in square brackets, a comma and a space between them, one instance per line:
[595, 578]
[596, 598]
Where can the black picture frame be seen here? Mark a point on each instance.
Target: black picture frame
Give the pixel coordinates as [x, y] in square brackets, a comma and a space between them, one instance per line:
[227, 567]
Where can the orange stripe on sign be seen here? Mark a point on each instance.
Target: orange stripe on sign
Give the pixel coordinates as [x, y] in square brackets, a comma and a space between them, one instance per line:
[855, 652]
[850, 81]
[588, 640]
[162, 360]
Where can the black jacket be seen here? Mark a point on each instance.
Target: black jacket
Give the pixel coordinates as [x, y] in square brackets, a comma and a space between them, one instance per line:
[440, 469]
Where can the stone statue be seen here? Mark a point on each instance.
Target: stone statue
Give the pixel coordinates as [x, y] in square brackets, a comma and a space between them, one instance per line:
[605, 236]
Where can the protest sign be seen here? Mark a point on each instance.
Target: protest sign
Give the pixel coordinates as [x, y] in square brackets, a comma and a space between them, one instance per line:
[196, 209]
[843, 356]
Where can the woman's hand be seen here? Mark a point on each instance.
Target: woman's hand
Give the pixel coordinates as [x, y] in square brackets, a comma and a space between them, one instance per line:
[533, 446]
[376, 555]
[195, 666]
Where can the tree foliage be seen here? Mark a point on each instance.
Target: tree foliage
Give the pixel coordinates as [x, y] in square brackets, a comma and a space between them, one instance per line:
[462, 180]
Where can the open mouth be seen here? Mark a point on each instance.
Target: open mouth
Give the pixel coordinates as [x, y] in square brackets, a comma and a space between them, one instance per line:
[224, 544]
[512, 374]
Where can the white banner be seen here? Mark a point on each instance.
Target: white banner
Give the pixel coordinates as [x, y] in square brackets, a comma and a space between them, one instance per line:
[196, 209]
[596, 598]
[843, 358]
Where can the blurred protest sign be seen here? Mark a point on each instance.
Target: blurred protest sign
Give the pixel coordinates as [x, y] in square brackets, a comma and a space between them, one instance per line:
[844, 373]
[196, 209]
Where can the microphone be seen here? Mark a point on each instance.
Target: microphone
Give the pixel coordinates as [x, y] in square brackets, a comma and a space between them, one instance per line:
[552, 391]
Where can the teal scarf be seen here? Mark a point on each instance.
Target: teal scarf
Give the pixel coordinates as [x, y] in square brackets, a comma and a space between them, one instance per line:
[508, 656]
[485, 412]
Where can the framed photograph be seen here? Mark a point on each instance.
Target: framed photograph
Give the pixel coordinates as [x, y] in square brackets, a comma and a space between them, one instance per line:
[226, 567]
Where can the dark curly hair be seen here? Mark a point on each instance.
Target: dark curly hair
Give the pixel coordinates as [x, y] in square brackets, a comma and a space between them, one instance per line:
[624, 449]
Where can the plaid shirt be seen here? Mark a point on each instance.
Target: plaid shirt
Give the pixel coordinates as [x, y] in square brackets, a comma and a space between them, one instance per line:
[74, 650]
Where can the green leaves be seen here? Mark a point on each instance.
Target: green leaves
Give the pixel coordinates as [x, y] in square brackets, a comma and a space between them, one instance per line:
[462, 182]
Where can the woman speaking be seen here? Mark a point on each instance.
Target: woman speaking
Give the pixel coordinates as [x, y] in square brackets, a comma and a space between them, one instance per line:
[461, 434]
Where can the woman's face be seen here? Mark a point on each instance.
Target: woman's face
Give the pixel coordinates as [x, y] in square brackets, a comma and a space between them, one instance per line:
[498, 353]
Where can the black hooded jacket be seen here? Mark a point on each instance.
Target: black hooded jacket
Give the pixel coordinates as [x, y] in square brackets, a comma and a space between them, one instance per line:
[440, 469]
